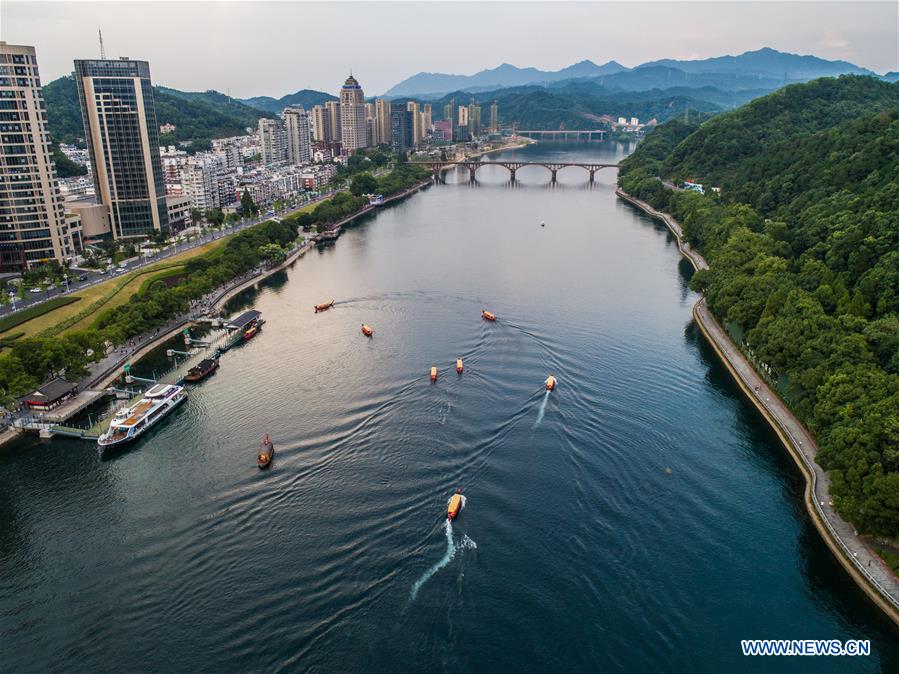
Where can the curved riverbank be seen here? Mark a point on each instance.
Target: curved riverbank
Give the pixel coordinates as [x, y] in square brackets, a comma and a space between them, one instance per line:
[865, 567]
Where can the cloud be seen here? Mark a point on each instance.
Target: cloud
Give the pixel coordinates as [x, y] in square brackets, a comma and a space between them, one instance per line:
[836, 45]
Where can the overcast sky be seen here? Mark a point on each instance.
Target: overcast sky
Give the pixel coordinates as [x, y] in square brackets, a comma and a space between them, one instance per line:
[274, 48]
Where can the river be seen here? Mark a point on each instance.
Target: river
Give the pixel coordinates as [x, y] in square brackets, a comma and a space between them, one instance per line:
[640, 517]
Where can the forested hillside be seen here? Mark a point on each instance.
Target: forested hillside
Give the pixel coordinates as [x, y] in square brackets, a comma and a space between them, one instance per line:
[198, 117]
[803, 246]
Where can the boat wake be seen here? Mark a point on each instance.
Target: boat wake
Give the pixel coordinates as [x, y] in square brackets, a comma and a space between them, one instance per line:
[452, 548]
[542, 409]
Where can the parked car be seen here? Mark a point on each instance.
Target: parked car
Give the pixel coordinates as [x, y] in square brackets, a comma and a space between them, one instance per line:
[83, 277]
[35, 290]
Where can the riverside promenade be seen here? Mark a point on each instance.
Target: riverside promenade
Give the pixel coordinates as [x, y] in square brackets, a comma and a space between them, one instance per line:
[867, 569]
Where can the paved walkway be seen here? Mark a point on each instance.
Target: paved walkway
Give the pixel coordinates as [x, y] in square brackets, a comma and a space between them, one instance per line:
[866, 567]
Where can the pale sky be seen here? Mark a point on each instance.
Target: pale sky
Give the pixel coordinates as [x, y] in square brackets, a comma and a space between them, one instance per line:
[274, 48]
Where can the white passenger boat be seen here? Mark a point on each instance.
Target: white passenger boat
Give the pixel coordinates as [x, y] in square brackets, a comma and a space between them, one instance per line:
[129, 423]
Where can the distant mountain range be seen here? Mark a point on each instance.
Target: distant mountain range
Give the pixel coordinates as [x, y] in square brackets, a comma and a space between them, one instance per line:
[502, 76]
[305, 97]
[761, 69]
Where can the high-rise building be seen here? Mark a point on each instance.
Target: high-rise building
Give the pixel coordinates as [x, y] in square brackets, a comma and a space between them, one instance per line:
[122, 135]
[400, 128]
[333, 110]
[449, 111]
[273, 141]
[371, 125]
[494, 117]
[474, 120]
[412, 107]
[382, 112]
[321, 124]
[299, 144]
[33, 227]
[426, 120]
[352, 116]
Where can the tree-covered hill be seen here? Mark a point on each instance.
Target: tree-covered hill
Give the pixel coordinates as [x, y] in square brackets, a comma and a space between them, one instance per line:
[803, 246]
[305, 97]
[578, 106]
[198, 117]
[716, 151]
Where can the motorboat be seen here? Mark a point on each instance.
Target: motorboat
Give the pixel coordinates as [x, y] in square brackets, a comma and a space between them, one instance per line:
[456, 503]
[433, 373]
[550, 383]
[459, 365]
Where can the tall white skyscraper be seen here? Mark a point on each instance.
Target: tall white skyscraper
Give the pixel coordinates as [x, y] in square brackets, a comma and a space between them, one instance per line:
[299, 146]
[352, 116]
[32, 221]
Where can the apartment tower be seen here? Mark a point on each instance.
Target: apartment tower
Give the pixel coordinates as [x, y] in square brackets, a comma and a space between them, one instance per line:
[296, 125]
[33, 228]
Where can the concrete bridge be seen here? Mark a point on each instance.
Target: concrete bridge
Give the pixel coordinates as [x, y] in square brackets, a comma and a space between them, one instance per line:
[438, 167]
[577, 134]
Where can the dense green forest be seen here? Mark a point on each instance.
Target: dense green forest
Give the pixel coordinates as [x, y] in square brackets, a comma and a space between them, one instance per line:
[198, 117]
[803, 247]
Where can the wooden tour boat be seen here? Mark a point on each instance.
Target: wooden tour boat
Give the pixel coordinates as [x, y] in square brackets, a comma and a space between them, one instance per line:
[367, 331]
[489, 315]
[324, 306]
[268, 452]
[202, 369]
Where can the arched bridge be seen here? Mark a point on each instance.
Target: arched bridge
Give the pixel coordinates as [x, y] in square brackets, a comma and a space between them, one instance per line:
[438, 167]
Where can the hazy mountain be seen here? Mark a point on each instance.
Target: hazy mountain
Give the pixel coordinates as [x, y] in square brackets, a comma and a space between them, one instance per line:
[305, 97]
[891, 76]
[505, 75]
[764, 63]
[762, 70]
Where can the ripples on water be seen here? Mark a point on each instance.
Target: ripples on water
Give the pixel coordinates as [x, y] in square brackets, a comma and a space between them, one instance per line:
[639, 517]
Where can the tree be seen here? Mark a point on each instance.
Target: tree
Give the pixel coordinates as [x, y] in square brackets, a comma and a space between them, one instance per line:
[215, 216]
[272, 252]
[196, 215]
[363, 183]
[247, 205]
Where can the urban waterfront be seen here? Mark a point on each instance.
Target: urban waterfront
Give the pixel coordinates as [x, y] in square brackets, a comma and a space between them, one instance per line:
[642, 516]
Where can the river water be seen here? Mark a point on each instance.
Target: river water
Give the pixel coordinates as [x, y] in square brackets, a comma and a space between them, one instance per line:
[640, 517]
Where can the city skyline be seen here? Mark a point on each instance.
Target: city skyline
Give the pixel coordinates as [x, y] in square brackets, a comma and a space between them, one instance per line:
[863, 33]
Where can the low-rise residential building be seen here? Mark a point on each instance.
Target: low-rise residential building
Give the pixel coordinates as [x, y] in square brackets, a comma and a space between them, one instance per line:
[179, 212]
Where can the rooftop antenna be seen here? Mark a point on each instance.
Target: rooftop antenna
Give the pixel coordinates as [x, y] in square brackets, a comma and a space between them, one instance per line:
[102, 49]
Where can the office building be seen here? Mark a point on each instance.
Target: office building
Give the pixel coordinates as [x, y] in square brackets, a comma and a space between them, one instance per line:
[33, 226]
[449, 111]
[273, 141]
[400, 128]
[122, 135]
[382, 112]
[333, 110]
[299, 143]
[494, 117]
[352, 116]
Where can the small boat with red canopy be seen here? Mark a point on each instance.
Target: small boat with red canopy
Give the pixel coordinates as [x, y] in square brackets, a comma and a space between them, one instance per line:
[489, 315]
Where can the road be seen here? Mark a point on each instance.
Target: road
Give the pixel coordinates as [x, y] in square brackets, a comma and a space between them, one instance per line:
[94, 277]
